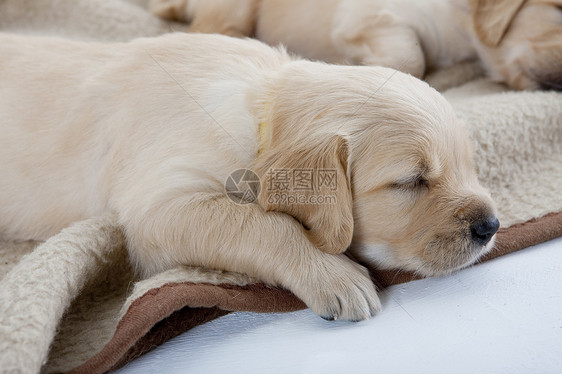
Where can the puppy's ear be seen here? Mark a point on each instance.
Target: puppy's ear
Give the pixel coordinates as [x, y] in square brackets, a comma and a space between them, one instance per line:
[309, 181]
[492, 18]
[169, 9]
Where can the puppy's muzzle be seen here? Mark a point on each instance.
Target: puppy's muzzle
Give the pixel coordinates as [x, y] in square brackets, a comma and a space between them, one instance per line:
[483, 230]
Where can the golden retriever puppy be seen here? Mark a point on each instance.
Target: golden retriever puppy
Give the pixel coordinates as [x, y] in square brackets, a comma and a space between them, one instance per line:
[153, 130]
[518, 42]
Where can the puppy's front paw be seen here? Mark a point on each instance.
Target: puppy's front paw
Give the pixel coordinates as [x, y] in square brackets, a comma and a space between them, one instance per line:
[341, 290]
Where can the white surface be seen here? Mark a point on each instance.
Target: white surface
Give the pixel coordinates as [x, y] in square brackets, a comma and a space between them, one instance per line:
[502, 316]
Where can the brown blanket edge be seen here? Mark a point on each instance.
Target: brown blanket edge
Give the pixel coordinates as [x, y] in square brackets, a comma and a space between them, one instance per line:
[174, 308]
[196, 303]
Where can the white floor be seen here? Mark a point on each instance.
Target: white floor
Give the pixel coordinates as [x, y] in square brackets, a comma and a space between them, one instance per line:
[503, 316]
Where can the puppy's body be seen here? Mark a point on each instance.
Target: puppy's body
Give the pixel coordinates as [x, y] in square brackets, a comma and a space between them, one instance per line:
[518, 42]
[151, 129]
[90, 117]
[417, 36]
[402, 34]
[130, 128]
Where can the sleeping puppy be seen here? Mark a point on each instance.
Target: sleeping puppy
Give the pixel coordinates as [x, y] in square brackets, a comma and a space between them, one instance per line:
[518, 42]
[154, 129]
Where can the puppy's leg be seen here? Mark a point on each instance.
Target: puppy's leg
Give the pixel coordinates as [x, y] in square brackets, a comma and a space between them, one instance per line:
[379, 40]
[210, 230]
[234, 18]
[455, 75]
[229, 17]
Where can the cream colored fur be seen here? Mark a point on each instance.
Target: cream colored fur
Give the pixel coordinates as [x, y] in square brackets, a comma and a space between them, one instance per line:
[518, 158]
[151, 129]
[519, 42]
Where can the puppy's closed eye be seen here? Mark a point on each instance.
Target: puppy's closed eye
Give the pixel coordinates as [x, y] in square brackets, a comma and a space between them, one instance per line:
[415, 184]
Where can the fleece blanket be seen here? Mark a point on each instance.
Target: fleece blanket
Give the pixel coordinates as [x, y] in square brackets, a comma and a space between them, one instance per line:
[73, 303]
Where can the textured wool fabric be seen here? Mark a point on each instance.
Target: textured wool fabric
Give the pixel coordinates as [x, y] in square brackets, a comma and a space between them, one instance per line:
[518, 144]
[90, 20]
[74, 303]
[36, 292]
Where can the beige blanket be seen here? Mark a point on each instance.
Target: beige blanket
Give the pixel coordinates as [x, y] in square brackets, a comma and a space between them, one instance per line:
[73, 301]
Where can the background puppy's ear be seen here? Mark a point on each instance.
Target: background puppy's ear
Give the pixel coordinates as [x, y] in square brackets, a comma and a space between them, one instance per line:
[169, 9]
[310, 182]
[491, 18]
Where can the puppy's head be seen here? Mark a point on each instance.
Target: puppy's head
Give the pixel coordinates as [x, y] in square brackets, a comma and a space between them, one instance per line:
[403, 181]
[520, 41]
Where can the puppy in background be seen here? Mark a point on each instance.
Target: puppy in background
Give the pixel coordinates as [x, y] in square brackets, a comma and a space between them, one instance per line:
[518, 42]
[150, 130]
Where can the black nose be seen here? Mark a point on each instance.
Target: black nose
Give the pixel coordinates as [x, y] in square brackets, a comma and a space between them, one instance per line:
[483, 230]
